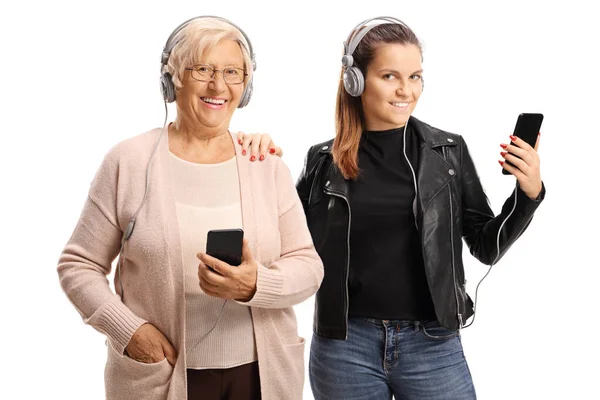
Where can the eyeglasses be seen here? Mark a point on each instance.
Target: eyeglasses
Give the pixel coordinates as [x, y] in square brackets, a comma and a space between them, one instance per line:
[206, 73]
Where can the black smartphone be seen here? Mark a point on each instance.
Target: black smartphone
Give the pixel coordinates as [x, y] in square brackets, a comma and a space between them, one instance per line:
[226, 245]
[527, 128]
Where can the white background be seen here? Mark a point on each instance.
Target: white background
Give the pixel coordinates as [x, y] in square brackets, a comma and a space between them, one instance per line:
[79, 77]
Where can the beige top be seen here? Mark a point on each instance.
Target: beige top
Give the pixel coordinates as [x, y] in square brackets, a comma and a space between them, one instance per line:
[219, 333]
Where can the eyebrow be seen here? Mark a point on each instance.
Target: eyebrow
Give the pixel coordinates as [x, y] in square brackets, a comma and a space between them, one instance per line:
[420, 71]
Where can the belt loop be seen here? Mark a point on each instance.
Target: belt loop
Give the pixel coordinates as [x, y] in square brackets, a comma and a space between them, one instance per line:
[416, 326]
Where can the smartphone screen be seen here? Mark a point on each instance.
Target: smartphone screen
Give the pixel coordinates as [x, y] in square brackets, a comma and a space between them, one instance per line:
[527, 128]
[226, 245]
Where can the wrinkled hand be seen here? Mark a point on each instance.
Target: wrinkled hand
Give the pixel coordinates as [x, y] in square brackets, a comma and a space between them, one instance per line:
[259, 145]
[527, 169]
[148, 345]
[226, 281]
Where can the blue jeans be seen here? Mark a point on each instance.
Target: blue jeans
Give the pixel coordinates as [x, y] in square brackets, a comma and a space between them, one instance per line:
[408, 359]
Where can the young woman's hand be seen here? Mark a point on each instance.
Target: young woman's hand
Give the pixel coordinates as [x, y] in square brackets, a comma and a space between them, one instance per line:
[259, 145]
[527, 162]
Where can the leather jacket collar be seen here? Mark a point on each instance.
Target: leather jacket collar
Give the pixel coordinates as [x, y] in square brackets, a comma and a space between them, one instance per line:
[433, 171]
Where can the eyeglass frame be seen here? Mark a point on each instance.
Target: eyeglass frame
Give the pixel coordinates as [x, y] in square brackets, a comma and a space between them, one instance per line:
[222, 70]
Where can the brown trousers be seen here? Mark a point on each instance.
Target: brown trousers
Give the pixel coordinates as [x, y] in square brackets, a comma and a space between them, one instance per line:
[237, 383]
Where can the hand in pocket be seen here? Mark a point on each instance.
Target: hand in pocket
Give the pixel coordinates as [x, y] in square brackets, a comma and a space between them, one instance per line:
[148, 345]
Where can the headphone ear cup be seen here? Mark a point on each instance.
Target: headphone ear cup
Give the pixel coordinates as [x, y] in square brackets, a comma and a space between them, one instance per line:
[354, 82]
[167, 88]
[246, 95]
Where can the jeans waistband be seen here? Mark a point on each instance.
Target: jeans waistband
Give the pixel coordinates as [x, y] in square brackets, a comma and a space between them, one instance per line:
[402, 323]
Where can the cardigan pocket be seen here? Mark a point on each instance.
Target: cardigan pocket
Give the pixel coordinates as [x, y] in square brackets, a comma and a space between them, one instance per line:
[296, 351]
[126, 378]
[288, 366]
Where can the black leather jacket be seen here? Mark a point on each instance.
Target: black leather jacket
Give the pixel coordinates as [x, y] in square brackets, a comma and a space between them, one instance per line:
[451, 205]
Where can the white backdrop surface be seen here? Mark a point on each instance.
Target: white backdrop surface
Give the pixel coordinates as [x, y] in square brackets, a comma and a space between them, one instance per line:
[79, 77]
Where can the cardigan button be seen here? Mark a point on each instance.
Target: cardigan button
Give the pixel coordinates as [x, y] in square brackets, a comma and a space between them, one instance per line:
[451, 171]
[324, 147]
[450, 140]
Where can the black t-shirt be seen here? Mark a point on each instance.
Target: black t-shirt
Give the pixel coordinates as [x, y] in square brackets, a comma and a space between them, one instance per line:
[387, 277]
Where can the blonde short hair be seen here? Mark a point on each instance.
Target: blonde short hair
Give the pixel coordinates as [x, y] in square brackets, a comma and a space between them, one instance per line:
[196, 38]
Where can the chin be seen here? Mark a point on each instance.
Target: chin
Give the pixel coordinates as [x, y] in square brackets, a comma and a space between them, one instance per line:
[212, 120]
[399, 121]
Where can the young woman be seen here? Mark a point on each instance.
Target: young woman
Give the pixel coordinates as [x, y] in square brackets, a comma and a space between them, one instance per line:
[387, 203]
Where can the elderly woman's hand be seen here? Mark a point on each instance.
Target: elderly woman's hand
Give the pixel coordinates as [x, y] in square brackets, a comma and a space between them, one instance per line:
[148, 345]
[226, 281]
[259, 145]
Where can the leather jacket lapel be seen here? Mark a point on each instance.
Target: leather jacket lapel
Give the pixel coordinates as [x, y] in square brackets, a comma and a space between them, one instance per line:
[433, 171]
[433, 174]
[335, 182]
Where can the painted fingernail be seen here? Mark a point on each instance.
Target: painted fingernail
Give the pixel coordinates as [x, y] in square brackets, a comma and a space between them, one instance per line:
[513, 138]
[240, 141]
[501, 162]
[262, 158]
[504, 145]
[243, 152]
[252, 158]
[272, 151]
[502, 153]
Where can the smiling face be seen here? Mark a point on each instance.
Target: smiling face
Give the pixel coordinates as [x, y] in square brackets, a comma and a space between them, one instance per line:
[210, 105]
[393, 85]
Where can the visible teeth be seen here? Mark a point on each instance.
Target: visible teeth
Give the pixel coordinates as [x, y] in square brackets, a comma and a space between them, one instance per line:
[213, 101]
[400, 104]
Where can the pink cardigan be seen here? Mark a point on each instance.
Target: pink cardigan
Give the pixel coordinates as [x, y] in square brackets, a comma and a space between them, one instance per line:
[290, 270]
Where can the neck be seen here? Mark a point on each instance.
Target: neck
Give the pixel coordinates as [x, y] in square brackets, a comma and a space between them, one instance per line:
[375, 125]
[382, 127]
[195, 134]
[201, 146]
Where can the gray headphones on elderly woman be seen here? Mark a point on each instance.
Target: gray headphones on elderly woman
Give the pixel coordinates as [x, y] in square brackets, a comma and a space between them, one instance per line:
[166, 80]
[354, 80]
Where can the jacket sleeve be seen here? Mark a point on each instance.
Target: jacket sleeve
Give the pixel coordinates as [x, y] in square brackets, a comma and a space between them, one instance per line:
[480, 226]
[298, 272]
[304, 182]
[86, 260]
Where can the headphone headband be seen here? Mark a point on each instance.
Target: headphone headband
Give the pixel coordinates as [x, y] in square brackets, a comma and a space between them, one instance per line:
[171, 42]
[355, 37]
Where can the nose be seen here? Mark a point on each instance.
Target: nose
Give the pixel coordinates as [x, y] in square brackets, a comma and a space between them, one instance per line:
[217, 83]
[407, 88]
[403, 87]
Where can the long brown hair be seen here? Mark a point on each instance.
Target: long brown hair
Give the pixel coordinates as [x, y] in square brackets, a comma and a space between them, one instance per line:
[349, 117]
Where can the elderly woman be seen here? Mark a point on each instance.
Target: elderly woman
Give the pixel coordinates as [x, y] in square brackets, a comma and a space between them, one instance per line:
[183, 324]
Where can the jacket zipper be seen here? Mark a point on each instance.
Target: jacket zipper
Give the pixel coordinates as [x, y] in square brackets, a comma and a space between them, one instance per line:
[458, 313]
[347, 304]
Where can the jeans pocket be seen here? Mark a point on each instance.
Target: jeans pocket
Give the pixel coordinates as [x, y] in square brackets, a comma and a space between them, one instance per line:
[435, 331]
